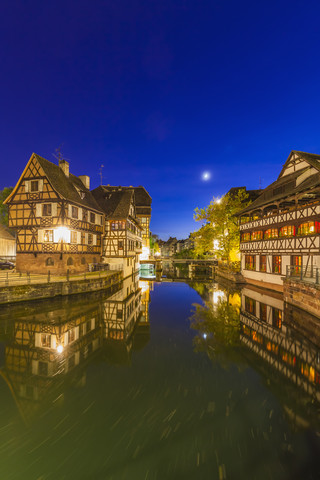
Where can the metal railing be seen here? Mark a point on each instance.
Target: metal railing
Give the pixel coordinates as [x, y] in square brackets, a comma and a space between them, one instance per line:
[306, 274]
[11, 278]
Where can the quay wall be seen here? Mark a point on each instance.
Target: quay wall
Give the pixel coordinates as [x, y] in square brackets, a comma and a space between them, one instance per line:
[27, 292]
[305, 296]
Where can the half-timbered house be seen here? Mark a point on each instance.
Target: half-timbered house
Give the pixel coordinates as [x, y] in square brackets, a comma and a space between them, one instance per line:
[7, 243]
[122, 241]
[280, 230]
[56, 218]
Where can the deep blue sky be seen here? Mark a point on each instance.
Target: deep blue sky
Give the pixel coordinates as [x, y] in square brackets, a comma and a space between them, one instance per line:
[160, 91]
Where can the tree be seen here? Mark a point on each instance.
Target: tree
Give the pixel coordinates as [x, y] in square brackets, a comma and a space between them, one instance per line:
[3, 208]
[220, 234]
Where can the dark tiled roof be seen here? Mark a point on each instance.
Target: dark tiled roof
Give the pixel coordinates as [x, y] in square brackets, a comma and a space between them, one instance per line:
[142, 197]
[285, 187]
[6, 233]
[116, 205]
[67, 186]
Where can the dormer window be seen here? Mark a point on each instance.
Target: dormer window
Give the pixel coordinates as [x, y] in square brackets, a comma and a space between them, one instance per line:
[34, 186]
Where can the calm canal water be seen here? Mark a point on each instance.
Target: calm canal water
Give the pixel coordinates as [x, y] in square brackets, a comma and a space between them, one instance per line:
[168, 380]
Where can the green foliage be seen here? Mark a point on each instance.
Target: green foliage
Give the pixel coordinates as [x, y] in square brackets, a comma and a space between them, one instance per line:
[221, 225]
[218, 329]
[3, 208]
[187, 253]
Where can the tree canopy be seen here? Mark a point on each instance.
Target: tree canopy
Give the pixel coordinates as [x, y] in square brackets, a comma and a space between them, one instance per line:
[3, 208]
[219, 234]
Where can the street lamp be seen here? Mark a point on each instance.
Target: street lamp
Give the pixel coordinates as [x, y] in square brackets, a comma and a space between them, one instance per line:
[62, 234]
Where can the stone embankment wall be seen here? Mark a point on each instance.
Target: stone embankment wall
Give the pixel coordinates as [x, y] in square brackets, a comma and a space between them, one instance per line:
[305, 296]
[21, 293]
[235, 277]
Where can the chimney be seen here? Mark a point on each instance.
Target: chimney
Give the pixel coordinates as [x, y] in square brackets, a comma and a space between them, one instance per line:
[85, 180]
[64, 165]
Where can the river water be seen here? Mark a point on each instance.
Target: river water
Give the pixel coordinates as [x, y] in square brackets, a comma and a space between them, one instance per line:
[159, 380]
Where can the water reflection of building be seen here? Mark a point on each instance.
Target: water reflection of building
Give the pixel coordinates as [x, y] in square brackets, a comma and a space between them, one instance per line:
[43, 347]
[265, 330]
[124, 313]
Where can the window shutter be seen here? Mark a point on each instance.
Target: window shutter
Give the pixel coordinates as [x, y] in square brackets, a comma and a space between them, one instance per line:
[35, 367]
[40, 184]
[40, 236]
[54, 209]
[94, 239]
[38, 210]
[80, 213]
[26, 185]
[37, 340]
[69, 211]
[76, 333]
[79, 238]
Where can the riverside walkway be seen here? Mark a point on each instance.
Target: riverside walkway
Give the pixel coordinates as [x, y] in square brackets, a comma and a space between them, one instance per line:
[17, 287]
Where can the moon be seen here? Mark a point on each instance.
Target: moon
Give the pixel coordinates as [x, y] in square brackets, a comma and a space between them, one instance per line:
[206, 176]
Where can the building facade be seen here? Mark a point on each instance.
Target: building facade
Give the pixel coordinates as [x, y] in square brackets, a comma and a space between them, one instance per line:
[7, 243]
[122, 239]
[57, 221]
[280, 230]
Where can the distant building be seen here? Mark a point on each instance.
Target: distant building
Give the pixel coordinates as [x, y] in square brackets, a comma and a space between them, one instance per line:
[57, 221]
[7, 243]
[281, 228]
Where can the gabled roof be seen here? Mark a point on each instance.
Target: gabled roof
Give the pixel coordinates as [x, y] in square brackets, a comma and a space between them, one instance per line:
[116, 204]
[311, 158]
[299, 181]
[71, 188]
[142, 198]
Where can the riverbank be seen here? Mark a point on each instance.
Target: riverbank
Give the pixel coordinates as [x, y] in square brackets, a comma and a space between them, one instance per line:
[37, 287]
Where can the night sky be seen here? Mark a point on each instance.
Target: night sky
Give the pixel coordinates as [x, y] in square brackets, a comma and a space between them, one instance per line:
[160, 92]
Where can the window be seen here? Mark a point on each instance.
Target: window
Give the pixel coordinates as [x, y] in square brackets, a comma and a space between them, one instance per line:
[92, 217]
[83, 261]
[90, 239]
[43, 368]
[70, 261]
[34, 186]
[84, 215]
[71, 335]
[257, 235]
[49, 261]
[263, 312]
[245, 237]
[88, 326]
[263, 263]
[74, 212]
[250, 305]
[73, 237]
[250, 262]
[309, 228]
[45, 340]
[271, 233]
[244, 220]
[296, 263]
[276, 264]
[287, 231]
[83, 238]
[276, 317]
[46, 210]
[48, 236]
[120, 244]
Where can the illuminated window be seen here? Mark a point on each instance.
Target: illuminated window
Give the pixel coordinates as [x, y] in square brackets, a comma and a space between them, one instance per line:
[92, 218]
[309, 228]
[296, 263]
[73, 237]
[34, 186]
[74, 212]
[245, 237]
[48, 236]
[250, 262]
[276, 264]
[271, 233]
[263, 263]
[90, 239]
[287, 231]
[250, 305]
[45, 340]
[46, 210]
[244, 220]
[276, 317]
[257, 235]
